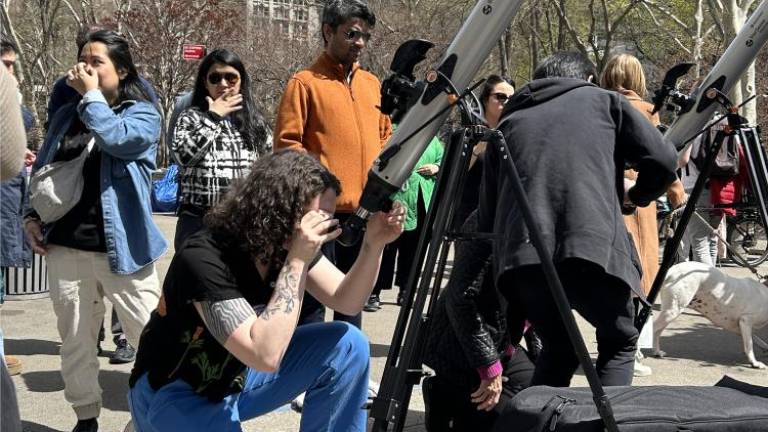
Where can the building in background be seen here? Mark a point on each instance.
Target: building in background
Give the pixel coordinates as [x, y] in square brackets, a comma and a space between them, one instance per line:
[297, 19]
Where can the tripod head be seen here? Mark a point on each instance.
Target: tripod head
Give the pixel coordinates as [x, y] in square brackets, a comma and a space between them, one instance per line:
[724, 75]
[669, 94]
[400, 91]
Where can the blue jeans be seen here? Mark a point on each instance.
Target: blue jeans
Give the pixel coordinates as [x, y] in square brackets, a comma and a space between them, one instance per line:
[327, 360]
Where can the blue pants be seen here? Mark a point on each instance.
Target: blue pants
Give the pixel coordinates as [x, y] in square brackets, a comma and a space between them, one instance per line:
[327, 360]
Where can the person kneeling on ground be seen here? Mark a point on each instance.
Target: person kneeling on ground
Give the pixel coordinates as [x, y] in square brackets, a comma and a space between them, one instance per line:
[223, 346]
[473, 346]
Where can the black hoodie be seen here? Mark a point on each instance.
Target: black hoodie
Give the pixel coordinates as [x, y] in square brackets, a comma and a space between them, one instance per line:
[570, 141]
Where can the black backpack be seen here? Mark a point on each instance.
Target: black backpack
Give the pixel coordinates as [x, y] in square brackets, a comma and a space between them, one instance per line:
[727, 159]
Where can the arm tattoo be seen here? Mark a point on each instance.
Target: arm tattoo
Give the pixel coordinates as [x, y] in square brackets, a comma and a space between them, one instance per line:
[286, 293]
[223, 317]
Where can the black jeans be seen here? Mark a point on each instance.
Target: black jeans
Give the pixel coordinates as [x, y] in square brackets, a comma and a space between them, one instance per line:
[189, 222]
[603, 300]
[313, 311]
[448, 403]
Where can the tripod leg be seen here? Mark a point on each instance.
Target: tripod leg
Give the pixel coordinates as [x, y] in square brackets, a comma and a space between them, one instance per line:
[671, 246]
[404, 362]
[757, 167]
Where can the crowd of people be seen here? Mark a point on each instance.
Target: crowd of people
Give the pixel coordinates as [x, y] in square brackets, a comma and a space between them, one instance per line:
[236, 328]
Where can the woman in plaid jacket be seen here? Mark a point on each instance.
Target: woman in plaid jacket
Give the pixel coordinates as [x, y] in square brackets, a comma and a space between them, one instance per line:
[217, 139]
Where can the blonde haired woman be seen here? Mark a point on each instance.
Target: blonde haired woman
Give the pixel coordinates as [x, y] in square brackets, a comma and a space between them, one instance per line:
[624, 74]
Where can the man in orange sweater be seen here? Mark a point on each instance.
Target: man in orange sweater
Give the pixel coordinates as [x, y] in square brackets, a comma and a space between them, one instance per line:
[331, 111]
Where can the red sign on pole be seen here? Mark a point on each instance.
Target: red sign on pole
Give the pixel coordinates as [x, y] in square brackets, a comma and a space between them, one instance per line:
[193, 52]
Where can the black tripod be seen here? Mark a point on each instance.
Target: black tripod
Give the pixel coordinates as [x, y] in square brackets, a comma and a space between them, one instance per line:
[757, 165]
[403, 368]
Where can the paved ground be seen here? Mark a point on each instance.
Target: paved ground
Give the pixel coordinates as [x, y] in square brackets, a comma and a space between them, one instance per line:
[699, 354]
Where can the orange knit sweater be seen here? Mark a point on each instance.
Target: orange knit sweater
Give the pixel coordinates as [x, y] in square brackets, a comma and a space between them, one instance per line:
[337, 122]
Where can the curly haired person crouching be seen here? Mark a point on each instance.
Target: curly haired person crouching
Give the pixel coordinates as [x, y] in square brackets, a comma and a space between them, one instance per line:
[223, 345]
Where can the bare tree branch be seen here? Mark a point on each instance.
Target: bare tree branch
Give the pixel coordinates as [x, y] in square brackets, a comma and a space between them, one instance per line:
[74, 13]
[668, 13]
[568, 26]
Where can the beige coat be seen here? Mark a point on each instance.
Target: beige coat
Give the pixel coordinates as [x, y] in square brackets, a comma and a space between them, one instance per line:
[642, 224]
[13, 140]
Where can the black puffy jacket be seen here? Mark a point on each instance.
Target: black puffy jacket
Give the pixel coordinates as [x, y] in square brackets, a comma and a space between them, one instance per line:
[468, 326]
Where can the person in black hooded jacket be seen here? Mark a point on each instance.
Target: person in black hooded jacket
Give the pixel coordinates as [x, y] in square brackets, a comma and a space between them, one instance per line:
[571, 141]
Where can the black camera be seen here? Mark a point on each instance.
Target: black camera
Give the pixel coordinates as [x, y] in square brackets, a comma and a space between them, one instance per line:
[400, 91]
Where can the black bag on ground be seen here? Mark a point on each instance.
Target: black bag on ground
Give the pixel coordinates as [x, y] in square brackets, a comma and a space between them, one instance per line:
[646, 409]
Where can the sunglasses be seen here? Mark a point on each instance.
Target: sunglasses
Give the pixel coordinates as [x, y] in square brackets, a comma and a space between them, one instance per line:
[354, 35]
[501, 97]
[216, 77]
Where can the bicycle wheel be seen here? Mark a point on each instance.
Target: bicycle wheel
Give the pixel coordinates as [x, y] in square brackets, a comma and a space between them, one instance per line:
[749, 238]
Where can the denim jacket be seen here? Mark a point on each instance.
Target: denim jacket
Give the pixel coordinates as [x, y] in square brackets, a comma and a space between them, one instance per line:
[14, 248]
[127, 135]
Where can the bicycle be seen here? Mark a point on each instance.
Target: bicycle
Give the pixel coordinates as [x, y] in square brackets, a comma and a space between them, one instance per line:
[746, 232]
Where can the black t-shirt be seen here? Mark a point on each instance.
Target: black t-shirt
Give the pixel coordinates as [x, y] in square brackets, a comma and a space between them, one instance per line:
[176, 344]
[83, 226]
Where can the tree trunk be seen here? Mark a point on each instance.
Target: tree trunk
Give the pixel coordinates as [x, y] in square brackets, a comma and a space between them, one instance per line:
[698, 40]
[503, 60]
[508, 44]
[735, 17]
[534, 42]
[562, 31]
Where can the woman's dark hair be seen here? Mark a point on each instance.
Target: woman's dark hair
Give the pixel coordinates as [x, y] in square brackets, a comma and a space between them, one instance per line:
[490, 83]
[7, 46]
[249, 120]
[260, 212]
[130, 87]
[566, 64]
[337, 12]
[82, 36]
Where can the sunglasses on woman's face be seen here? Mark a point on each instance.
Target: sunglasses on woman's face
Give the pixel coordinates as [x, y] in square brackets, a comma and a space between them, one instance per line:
[216, 77]
[354, 35]
[501, 97]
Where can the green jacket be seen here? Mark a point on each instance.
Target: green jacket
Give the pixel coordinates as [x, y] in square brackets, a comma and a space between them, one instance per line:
[409, 193]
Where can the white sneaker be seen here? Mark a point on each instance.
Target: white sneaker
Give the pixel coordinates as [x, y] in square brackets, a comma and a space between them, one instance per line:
[298, 403]
[641, 370]
[373, 389]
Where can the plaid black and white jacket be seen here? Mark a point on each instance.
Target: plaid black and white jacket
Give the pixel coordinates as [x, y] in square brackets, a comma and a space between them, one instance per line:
[213, 154]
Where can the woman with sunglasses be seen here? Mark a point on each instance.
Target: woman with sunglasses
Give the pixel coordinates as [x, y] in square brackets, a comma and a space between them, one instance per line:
[496, 92]
[217, 139]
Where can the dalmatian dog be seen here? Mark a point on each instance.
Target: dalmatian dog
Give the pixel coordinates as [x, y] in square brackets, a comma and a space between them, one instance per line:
[735, 304]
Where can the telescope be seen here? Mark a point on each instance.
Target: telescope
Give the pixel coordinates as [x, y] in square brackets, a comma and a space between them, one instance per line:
[428, 103]
[468, 51]
[696, 110]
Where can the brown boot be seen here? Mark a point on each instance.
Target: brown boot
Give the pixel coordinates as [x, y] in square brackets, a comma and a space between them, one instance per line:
[13, 364]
